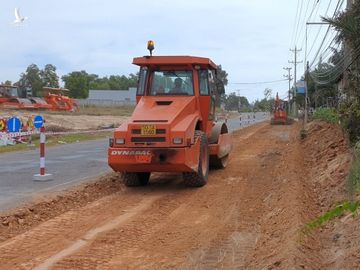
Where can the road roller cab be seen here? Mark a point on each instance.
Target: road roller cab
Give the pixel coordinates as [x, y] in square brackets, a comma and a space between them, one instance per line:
[172, 128]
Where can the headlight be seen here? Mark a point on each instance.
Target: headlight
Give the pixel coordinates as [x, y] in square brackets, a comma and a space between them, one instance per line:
[119, 141]
[177, 141]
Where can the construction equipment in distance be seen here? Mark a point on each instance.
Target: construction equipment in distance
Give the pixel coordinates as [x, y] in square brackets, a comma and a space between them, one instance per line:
[58, 100]
[172, 128]
[280, 115]
[53, 99]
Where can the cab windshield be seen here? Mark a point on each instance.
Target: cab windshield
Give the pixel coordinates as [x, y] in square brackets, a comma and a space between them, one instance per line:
[172, 83]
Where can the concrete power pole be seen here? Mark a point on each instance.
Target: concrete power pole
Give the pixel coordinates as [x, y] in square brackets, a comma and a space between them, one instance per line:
[347, 53]
[288, 77]
[239, 100]
[306, 92]
[295, 62]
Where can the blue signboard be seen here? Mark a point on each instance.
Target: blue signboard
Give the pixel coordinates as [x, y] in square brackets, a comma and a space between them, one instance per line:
[301, 87]
[38, 121]
[14, 124]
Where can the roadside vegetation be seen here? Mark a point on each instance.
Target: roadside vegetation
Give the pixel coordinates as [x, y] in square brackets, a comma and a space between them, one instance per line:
[125, 110]
[329, 115]
[337, 211]
[323, 90]
[354, 173]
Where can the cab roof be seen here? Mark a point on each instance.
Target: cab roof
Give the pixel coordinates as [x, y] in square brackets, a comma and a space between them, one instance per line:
[173, 61]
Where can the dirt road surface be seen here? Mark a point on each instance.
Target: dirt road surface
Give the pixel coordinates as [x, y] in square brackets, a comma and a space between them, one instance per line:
[249, 216]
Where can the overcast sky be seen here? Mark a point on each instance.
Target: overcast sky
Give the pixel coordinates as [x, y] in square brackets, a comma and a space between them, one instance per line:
[249, 38]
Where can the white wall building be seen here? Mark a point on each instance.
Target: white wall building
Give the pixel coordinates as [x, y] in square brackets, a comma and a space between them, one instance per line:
[110, 97]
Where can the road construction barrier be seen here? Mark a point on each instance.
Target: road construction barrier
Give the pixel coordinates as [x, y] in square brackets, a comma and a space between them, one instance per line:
[2, 124]
[42, 151]
[246, 119]
[42, 176]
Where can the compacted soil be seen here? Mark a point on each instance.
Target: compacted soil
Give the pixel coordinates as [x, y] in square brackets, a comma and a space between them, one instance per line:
[250, 215]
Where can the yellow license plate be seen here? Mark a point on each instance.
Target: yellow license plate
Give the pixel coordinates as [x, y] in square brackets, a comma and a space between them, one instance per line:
[148, 130]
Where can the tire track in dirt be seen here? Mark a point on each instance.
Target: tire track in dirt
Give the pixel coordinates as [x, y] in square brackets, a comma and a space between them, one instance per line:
[93, 233]
[234, 222]
[132, 247]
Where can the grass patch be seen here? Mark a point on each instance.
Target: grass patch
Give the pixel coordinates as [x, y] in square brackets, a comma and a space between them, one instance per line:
[96, 110]
[54, 140]
[327, 114]
[340, 209]
[125, 110]
[354, 172]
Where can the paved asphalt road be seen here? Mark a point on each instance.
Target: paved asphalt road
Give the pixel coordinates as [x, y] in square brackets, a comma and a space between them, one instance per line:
[70, 165]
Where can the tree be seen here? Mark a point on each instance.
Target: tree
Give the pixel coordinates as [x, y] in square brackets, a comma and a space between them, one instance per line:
[264, 105]
[114, 82]
[49, 77]
[78, 82]
[347, 23]
[220, 82]
[222, 75]
[232, 102]
[267, 93]
[31, 78]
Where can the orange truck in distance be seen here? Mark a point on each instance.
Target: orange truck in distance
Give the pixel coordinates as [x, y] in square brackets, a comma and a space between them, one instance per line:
[172, 128]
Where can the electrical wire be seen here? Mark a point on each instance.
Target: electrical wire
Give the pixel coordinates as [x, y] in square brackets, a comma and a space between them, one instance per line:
[299, 19]
[315, 6]
[294, 27]
[330, 76]
[267, 82]
[305, 19]
[318, 33]
[338, 6]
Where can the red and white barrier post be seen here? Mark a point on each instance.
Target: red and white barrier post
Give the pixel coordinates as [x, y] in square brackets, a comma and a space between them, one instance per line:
[42, 176]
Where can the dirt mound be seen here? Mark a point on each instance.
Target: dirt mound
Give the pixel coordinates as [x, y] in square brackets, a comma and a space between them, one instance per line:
[328, 158]
[22, 219]
[67, 121]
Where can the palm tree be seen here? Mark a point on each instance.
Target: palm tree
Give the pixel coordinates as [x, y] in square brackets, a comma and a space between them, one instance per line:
[347, 24]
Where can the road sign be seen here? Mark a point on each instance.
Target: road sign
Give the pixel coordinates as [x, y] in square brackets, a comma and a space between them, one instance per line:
[38, 121]
[14, 124]
[300, 87]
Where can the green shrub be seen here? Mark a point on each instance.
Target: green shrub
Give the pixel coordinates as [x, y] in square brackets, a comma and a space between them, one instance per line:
[327, 114]
[354, 173]
[337, 211]
[350, 120]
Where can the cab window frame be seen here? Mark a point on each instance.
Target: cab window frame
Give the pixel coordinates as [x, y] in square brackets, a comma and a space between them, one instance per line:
[142, 81]
[200, 76]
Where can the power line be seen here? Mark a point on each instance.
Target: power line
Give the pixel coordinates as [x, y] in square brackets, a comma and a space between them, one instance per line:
[338, 6]
[315, 6]
[299, 19]
[294, 27]
[304, 19]
[329, 76]
[266, 82]
[318, 33]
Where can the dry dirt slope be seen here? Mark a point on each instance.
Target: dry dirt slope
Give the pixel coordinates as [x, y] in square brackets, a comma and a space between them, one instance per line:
[249, 216]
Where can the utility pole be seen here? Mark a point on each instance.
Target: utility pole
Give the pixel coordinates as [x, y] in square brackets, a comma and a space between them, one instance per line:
[295, 62]
[347, 54]
[288, 77]
[306, 92]
[239, 100]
